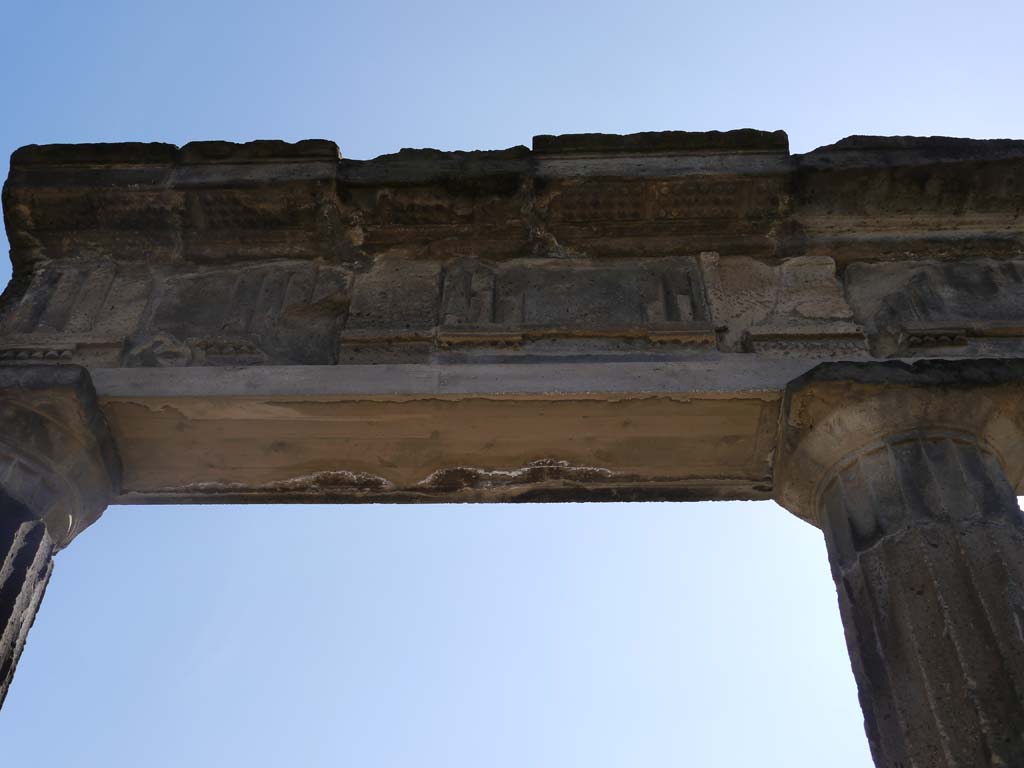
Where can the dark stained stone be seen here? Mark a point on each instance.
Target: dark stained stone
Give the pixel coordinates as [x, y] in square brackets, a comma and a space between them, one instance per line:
[740, 140]
[926, 541]
[253, 151]
[126, 153]
[599, 317]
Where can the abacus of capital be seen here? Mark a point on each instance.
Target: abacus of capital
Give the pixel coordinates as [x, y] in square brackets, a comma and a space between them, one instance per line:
[666, 316]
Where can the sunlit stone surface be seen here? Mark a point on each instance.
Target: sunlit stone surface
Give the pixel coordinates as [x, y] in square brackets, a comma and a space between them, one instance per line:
[596, 318]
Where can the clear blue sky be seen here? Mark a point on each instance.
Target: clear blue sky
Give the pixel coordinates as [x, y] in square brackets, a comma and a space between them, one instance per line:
[600, 636]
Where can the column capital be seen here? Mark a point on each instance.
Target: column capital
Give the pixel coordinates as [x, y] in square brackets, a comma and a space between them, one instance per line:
[57, 457]
[838, 411]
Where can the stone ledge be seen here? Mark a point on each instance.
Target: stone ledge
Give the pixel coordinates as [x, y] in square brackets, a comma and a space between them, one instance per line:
[932, 147]
[140, 153]
[740, 140]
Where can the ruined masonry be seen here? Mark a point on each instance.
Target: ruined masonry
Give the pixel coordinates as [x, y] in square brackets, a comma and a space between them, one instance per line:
[663, 316]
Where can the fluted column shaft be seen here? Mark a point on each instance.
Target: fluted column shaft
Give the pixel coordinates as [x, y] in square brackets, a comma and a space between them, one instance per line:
[926, 544]
[26, 561]
[911, 472]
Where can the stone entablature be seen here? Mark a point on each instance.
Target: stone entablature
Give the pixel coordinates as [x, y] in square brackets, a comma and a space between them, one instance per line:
[322, 308]
[665, 316]
[655, 245]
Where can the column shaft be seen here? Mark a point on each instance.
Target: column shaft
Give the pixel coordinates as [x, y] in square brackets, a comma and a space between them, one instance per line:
[26, 560]
[58, 470]
[926, 543]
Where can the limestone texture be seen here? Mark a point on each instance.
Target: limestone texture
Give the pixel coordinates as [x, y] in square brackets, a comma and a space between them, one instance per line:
[926, 542]
[27, 552]
[58, 471]
[676, 257]
[907, 471]
[658, 316]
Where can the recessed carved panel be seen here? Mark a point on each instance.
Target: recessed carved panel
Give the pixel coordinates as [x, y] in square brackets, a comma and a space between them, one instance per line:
[401, 307]
[647, 299]
[973, 306]
[792, 308]
[279, 313]
[601, 201]
[712, 197]
[76, 311]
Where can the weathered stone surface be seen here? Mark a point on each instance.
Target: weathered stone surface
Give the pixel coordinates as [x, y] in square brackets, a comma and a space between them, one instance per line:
[269, 253]
[203, 203]
[743, 140]
[839, 407]
[908, 472]
[704, 428]
[926, 542]
[26, 561]
[884, 198]
[598, 317]
[526, 299]
[444, 447]
[948, 308]
[58, 471]
[794, 308]
[671, 252]
[57, 457]
[286, 312]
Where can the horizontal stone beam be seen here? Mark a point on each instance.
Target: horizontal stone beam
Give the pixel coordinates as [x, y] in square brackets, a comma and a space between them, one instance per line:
[598, 316]
[591, 194]
[427, 433]
[667, 316]
[485, 432]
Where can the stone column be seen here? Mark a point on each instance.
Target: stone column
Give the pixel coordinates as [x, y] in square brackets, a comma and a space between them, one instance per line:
[58, 471]
[911, 474]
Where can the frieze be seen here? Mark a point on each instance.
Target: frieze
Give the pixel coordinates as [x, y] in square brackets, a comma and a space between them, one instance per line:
[949, 307]
[217, 254]
[406, 308]
[652, 300]
[276, 313]
[795, 307]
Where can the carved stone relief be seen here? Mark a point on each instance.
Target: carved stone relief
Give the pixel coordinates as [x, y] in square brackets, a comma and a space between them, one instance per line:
[78, 311]
[106, 313]
[401, 308]
[529, 299]
[970, 307]
[277, 313]
[393, 312]
[795, 307]
[301, 312]
[624, 218]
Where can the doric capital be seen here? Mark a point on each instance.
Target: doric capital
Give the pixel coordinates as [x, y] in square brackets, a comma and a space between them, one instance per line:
[57, 458]
[838, 411]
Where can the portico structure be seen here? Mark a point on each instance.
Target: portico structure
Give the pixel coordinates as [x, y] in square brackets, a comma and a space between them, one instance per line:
[667, 316]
